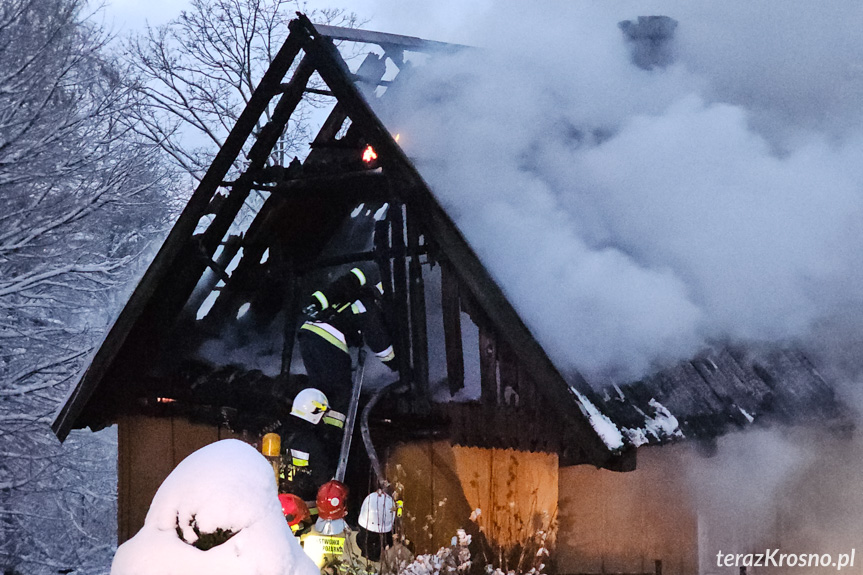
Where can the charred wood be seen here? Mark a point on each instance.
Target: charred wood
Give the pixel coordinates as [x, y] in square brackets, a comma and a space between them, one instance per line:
[451, 309]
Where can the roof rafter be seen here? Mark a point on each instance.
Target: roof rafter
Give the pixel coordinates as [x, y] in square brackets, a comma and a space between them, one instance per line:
[147, 308]
[177, 240]
[466, 263]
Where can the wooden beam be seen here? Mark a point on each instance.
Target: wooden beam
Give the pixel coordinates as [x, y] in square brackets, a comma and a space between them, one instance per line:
[255, 243]
[185, 272]
[291, 309]
[178, 238]
[400, 296]
[383, 39]
[334, 122]
[419, 328]
[508, 365]
[318, 91]
[258, 155]
[363, 185]
[451, 309]
[382, 252]
[229, 250]
[437, 222]
[527, 392]
[488, 365]
[370, 73]
[478, 425]
[329, 129]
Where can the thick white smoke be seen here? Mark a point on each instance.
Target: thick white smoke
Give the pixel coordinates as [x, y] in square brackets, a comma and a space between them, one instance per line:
[633, 215]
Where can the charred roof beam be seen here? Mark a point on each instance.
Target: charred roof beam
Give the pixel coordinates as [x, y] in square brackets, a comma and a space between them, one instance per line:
[332, 68]
[340, 260]
[372, 72]
[172, 249]
[317, 91]
[218, 269]
[385, 40]
[365, 185]
[189, 272]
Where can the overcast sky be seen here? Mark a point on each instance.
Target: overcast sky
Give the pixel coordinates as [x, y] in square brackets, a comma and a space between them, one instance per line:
[125, 15]
[442, 20]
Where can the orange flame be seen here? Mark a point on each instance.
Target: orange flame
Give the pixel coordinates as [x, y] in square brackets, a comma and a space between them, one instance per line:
[369, 155]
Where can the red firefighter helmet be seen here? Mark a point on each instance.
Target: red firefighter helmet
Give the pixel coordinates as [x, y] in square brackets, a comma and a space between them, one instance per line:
[295, 509]
[332, 500]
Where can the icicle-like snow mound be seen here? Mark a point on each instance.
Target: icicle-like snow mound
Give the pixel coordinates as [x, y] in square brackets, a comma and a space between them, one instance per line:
[663, 426]
[607, 430]
[226, 485]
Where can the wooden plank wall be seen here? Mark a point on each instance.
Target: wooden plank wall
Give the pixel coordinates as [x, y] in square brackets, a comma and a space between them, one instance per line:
[516, 491]
[148, 449]
[614, 522]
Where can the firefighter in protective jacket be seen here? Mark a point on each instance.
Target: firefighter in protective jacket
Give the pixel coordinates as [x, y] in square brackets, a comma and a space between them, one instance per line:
[309, 459]
[338, 317]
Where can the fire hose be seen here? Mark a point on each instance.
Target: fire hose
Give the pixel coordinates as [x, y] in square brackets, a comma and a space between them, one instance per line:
[367, 437]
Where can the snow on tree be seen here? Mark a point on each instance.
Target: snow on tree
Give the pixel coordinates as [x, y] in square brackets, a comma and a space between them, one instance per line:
[81, 197]
[197, 73]
[217, 513]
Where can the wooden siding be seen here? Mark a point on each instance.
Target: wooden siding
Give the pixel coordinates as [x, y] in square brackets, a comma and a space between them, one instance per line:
[623, 522]
[148, 449]
[515, 491]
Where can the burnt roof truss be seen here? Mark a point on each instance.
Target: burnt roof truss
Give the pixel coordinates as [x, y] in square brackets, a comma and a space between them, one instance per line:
[196, 260]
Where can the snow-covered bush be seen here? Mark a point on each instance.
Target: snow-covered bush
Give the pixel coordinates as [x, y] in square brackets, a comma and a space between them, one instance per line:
[458, 560]
[528, 553]
[453, 559]
[217, 513]
[508, 541]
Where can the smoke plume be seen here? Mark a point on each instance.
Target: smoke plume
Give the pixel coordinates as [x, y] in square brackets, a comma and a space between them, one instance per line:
[641, 189]
[634, 210]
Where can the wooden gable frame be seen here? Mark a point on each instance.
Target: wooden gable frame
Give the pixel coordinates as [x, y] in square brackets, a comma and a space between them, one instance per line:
[422, 226]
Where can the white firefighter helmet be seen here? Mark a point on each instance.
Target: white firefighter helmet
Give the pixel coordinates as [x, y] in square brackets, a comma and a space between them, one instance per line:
[378, 513]
[310, 404]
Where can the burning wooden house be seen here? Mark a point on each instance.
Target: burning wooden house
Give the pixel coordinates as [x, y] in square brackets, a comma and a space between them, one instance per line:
[204, 348]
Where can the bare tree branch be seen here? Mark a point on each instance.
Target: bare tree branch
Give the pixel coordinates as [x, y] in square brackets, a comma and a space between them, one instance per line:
[196, 74]
[82, 194]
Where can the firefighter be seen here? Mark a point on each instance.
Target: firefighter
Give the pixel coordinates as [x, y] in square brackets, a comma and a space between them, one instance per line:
[376, 519]
[309, 459]
[332, 503]
[338, 317]
[296, 513]
[328, 544]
